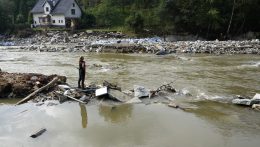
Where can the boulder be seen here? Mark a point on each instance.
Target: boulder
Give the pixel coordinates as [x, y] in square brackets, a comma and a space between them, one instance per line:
[134, 101]
[256, 107]
[118, 95]
[140, 91]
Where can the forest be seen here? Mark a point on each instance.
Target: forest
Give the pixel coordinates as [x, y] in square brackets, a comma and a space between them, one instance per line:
[206, 18]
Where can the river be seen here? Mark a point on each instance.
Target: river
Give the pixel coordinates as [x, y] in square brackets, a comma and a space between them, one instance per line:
[212, 80]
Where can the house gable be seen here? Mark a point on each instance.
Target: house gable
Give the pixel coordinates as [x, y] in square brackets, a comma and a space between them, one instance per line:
[47, 8]
[74, 11]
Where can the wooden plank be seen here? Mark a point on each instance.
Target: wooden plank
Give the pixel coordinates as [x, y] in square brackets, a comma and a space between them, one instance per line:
[31, 96]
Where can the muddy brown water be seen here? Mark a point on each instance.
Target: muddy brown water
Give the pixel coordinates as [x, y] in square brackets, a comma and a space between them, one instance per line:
[212, 81]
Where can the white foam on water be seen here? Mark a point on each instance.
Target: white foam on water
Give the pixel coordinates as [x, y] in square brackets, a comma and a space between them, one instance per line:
[252, 64]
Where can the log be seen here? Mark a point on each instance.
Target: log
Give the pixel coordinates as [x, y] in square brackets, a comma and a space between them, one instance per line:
[38, 133]
[30, 96]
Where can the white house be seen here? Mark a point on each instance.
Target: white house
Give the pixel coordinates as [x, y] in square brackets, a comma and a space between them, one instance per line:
[61, 13]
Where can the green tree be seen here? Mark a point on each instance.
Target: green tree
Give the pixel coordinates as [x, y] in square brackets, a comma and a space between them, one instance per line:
[136, 22]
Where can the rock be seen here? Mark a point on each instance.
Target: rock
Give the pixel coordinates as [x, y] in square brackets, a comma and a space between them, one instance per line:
[75, 36]
[173, 105]
[256, 107]
[64, 87]
[53, 40]
[254, 101]
[118, 95]
[34, 78]
[162, 52]
[84, 98]
[140, 91]
[66, 39]
[134, 101]
[246, 102]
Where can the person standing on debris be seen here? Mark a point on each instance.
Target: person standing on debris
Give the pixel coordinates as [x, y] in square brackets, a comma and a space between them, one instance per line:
[82, 72]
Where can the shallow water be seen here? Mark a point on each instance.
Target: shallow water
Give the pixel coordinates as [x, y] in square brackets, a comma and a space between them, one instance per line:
[206, 77]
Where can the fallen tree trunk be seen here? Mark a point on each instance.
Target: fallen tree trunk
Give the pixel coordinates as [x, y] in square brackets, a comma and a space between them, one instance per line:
[30, 96]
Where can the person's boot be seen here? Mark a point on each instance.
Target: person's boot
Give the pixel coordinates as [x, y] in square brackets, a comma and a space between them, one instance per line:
[78, 85]
[82, 85]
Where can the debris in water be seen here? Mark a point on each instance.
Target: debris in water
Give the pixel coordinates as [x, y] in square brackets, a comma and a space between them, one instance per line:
[38, 133]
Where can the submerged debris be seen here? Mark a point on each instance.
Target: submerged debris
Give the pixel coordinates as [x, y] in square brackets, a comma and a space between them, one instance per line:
[38, 133]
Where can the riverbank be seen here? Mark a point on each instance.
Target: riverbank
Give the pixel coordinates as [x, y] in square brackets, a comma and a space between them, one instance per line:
[115, 42]
[19, 85]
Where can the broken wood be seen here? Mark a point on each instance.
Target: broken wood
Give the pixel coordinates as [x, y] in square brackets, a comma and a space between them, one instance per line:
[31, 96]
[38, 133]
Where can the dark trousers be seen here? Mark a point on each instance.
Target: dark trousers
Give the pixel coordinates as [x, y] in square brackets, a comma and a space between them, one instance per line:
[81, 78]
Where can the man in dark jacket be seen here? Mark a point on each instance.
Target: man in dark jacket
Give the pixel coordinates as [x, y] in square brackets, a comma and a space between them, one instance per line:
[82, 72]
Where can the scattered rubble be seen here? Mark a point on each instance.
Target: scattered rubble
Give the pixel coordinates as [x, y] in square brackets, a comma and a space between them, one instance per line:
[115, 42]
[244, 101]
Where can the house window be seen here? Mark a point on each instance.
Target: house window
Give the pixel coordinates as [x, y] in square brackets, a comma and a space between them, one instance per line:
[34, 22]
[73, 5]
[61, 21]
[47, 9]
[72, 11]
[53, 21]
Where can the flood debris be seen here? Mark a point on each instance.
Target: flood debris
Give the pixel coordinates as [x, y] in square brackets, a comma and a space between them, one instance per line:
[62, 41]
[165, 87]
[101, 91]
[140, 91]
[118, 95]
[246, 101]
[31, 96]
[38, 133]
[20, 85]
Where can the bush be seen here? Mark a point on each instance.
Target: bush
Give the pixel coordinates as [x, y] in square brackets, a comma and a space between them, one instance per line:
[87, 20]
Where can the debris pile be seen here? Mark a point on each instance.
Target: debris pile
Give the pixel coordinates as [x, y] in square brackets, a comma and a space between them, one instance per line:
[116, 42]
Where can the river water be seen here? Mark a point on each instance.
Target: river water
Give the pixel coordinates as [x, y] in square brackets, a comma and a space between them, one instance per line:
[212, 81]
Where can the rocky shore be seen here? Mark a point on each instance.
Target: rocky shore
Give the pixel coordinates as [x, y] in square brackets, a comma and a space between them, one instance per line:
[90, 41]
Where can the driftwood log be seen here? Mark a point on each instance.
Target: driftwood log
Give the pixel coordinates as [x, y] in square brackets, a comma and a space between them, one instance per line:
[31, 96]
